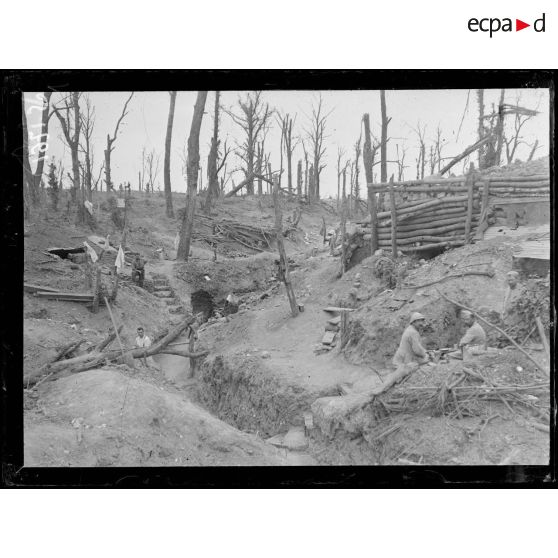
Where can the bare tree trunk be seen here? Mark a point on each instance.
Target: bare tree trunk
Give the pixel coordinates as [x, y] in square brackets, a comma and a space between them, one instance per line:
[383, 144]
[108, 181]
[480, 131]
[27, 176]
[183, 251]
[500, 128]
[259, 160]
[299, 179]
[166, 170]
[343, 222]
[283, 261]
[311, 183]
[367, 157]
[212, 171]
[38, 174]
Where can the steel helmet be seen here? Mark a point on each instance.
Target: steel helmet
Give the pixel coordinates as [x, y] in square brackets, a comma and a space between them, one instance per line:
[416, 316]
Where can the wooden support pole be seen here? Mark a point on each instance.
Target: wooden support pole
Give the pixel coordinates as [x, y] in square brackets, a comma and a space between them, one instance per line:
[97, 292]
[192, 349]
[393, 218]
[470, 185]
[115, 326]
[283, 261]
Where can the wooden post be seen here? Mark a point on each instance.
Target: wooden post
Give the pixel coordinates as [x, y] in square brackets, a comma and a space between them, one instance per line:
[393, 218]
[97, 293]
[343, 330]
[192, 349]
[115, 286]
[115, 327]
[470, 191]
[283, 261]
[87, 270]
[485, 195]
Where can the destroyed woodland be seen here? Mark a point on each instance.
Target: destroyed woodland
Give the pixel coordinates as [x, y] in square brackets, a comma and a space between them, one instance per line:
[252, 309]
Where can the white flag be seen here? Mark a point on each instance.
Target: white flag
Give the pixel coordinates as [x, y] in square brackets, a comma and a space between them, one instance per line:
[91, 252]
[120, 260]
[89, 206]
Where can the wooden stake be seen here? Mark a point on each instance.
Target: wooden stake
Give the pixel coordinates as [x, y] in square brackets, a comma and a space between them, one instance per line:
[393, 218]
[97, 293]
[470, 185]
[192, 349]
[283, 261]
[114, 326]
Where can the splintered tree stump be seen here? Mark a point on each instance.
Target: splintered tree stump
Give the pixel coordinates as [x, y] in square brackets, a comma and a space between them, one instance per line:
[283, 261]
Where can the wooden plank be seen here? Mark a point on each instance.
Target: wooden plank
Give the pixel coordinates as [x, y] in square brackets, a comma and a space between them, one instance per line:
[62, 294]
[31, 288]
[337, 309]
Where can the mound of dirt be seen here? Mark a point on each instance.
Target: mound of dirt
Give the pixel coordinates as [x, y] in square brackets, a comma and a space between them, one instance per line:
[105, 418]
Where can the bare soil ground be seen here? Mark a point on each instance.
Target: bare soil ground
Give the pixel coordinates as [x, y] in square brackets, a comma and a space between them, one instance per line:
[262, 374]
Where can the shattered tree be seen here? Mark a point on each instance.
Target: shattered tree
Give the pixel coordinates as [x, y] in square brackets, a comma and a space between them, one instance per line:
[283, 260]
[110, 144]
[192, 168]
[166, 165]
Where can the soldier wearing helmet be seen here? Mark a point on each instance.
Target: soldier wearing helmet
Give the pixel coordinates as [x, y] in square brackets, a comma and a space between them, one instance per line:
[411, 350]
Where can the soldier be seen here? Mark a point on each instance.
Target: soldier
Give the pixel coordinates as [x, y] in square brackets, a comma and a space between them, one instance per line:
[474, 339]
[411, 352]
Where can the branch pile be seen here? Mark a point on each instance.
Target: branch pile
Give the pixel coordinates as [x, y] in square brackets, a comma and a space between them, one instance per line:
[228, 231]
[460, 393]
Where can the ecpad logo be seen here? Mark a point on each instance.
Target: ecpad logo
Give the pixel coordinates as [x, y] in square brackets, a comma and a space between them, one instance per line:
[492, 25]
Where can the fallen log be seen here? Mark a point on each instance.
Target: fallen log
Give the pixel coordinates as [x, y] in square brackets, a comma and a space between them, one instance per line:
[432, 222]
[90, 360]
[435, 229]
[468, 151]
[30, 288]
[501, 331]
[329, 412]
[421, 238]
[107, 340]
[46, 369]
[419, 210]
[424, 247]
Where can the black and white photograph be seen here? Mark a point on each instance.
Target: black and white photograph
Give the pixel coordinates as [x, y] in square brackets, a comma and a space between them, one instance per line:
[286, 277]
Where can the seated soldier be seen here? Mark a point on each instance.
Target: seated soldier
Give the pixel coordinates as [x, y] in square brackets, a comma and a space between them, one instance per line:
[411, 352]
[138, 271]
[474, 340]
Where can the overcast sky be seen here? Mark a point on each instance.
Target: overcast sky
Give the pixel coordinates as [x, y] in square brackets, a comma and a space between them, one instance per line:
[145, 126]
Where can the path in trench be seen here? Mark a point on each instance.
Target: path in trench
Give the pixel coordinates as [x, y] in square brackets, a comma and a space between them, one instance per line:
[176, 369]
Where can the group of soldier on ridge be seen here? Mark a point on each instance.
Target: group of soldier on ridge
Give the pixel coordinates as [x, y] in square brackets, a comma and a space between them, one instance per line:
[411, 352]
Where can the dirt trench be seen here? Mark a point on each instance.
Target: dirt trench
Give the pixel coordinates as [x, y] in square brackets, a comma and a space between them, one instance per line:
[235, 390]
